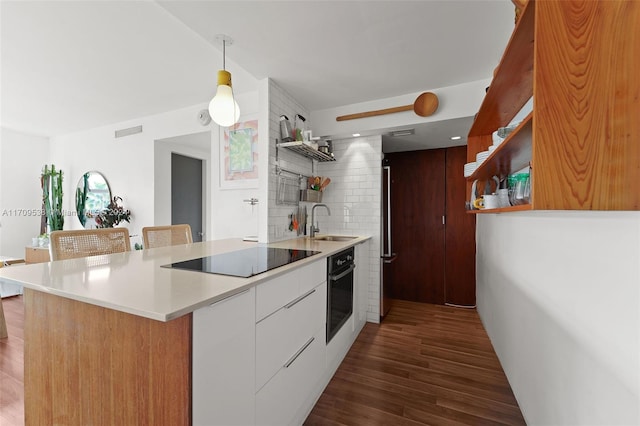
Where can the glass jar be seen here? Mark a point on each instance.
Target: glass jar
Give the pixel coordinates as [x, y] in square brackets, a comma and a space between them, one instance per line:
[511, 185]
[521, 189]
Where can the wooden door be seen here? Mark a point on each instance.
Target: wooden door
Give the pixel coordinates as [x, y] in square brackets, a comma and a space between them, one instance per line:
[460, 240]
[418, 239]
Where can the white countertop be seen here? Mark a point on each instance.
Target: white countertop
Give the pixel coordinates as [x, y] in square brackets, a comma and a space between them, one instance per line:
[134, 282]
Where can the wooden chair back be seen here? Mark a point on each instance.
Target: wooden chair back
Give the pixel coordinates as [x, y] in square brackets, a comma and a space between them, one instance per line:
[170, 235]
[88, 242]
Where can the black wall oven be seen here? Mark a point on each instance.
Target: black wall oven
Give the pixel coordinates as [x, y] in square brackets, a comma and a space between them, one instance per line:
[340, 268]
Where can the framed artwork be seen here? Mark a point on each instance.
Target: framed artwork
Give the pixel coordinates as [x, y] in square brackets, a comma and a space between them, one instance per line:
[239, 155]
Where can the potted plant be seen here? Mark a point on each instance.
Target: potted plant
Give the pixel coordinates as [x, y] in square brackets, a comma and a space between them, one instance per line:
[81, 199]
[51, 183]
[43, 240]
[112, 215]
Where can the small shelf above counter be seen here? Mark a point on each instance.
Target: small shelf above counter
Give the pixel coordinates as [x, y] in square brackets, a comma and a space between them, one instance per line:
[305, 149]
[517, 208]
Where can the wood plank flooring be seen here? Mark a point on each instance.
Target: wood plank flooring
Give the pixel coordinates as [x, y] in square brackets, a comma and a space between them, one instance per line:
[12, 364]
[425, 364]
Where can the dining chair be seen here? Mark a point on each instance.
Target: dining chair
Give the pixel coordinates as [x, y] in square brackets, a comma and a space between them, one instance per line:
[88, 242]
[170, 235]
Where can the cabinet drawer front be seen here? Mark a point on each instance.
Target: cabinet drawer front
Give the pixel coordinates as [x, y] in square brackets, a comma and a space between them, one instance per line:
[279, 336]
[312, 275]
[278, 402]
[275, 293]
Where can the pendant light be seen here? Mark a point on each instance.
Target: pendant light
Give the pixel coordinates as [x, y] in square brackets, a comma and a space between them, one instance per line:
[223, 108]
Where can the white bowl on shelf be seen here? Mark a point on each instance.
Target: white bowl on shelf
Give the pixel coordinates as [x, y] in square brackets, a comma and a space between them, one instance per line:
[469, 168]
[497, 140]
[481, 156]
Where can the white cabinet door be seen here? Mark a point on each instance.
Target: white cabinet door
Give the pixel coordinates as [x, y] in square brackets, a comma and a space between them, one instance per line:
[361, 286]
[223, 370]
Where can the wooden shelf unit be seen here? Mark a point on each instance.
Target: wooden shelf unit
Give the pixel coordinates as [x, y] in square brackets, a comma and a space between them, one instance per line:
[579, 62]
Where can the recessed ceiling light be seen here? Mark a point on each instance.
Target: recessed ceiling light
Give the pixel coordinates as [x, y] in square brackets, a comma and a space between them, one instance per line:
[455, 138]
[355, 135]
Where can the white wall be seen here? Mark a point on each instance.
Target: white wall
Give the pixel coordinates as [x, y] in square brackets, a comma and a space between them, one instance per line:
[232, 216]
[281, 103]
[229, 215]
[462, 100]
[354, 197]
[128, 164]
[559, 295]
[199, 146]
[22, 157]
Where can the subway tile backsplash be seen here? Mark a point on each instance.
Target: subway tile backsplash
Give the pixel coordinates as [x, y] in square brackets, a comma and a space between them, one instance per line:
[281, 103]
[353, 195]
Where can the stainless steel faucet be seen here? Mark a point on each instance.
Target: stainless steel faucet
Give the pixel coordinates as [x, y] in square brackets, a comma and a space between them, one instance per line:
[315, 228]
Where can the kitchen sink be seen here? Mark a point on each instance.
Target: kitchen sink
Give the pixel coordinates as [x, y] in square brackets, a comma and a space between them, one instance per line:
[334, 238]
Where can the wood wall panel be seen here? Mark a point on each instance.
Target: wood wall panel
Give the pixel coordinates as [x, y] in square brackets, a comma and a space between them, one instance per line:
[460, 235]
[587, 105]
[90, 365]
[435, 261]
[417, 204]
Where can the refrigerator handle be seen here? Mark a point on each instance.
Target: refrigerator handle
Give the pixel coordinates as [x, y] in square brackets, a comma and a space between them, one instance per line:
[388, 248]
[389, 259]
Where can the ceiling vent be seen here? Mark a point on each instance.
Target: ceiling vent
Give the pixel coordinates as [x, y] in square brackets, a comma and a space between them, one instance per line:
[405, 132]
[128, 132]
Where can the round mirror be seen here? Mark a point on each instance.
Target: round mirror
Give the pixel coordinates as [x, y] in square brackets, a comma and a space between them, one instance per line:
[92, 196]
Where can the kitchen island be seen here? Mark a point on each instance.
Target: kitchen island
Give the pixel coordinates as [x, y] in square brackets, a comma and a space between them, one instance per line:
[121, 339]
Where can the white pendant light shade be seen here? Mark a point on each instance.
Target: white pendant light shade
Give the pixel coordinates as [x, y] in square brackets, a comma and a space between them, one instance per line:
[223, 108]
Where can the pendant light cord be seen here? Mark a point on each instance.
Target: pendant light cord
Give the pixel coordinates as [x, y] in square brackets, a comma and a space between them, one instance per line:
[224, 54]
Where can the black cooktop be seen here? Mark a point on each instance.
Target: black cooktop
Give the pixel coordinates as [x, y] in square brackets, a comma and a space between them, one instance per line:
[244, 263]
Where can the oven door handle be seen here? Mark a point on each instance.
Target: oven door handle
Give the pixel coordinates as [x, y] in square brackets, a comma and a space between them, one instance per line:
[343, 273]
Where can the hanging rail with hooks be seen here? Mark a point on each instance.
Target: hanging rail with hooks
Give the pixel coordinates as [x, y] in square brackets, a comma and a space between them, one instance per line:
[280, 170]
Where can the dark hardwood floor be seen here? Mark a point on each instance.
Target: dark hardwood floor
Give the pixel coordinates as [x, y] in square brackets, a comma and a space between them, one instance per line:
[12, 364]
[425, 364]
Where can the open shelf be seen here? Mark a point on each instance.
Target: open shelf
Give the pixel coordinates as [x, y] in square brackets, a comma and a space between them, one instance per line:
[513, 154]
[518, 208]
[512, 85]
[305, 149]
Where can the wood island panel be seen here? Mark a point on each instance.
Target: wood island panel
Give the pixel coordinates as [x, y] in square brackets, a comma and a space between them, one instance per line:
[86, 364]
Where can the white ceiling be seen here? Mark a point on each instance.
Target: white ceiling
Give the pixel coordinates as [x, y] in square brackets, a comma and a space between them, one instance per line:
[72, 65]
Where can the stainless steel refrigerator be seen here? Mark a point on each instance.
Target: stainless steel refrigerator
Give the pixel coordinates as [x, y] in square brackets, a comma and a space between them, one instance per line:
[387, 255]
